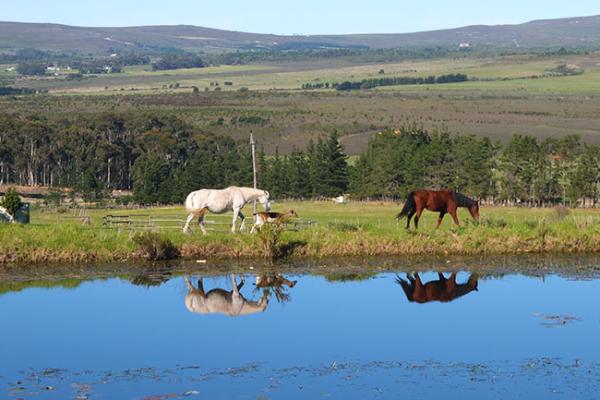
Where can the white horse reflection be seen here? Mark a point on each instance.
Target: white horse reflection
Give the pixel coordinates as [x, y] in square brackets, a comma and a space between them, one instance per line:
[220, 301]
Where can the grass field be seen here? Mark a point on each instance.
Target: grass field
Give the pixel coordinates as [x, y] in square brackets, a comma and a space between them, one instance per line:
[353, 229]
[290, 76]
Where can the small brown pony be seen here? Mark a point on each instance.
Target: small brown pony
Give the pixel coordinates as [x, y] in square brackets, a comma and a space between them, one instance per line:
[442, 201]
[442, 290]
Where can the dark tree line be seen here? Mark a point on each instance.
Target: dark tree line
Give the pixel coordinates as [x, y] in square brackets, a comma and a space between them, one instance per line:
[177, 61]
[401, 80]
[523, 170]
[388, 81]
[161, 158]
[61, 151]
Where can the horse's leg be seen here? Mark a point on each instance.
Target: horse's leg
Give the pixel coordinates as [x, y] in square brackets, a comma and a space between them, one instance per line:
[451, 283]
[236, 288]
[454, 216]
[201, 286]
[418, 289]
[408, 218]
[188, 221]
[417, 279]
[188, 283]
[243, 218]
[417, 217]
[236, 211]
[201, 222]
[439, 221]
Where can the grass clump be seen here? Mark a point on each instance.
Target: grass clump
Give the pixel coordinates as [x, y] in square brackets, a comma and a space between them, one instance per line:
[343, 226]
[153, 247]
[494, 223]
[561, 212]
[270, 239]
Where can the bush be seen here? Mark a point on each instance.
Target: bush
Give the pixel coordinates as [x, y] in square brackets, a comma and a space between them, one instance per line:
[124, 200]
[270, 237]
[11, 201]
[54, 197]
[153, 247]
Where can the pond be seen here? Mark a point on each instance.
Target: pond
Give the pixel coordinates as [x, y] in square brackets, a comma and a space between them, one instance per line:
[287, 335]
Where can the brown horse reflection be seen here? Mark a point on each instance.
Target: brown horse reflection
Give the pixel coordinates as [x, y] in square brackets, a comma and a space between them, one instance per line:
[443, 290]
[220, 301]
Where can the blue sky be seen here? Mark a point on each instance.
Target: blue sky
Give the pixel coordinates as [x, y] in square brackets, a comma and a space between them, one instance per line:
[302, 17]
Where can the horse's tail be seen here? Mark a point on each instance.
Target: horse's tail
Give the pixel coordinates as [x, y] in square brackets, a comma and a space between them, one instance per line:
[191, 204]
[409, 206]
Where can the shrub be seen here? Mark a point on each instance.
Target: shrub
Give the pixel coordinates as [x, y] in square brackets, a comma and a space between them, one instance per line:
[561, 212]
[124, 200]
[54, 197]
[11, 201]
[153, 247]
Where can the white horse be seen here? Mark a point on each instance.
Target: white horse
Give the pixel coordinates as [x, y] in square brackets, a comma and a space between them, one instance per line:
[220, 201]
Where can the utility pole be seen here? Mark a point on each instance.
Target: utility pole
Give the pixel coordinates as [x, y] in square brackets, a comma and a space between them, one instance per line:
[253, 145]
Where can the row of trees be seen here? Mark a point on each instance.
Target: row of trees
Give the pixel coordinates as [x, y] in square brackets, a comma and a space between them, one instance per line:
[387, 81]
[401, 80]
[161, 159]
[522, 170]
[177, 61]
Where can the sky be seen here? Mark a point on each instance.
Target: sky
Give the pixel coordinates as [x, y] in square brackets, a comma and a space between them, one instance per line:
[295, 17]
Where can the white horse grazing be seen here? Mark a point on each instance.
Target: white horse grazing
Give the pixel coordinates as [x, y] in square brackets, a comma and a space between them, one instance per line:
[221, 301]
[220, 201]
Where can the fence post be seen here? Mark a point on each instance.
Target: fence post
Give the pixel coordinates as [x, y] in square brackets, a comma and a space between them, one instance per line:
[253, 146]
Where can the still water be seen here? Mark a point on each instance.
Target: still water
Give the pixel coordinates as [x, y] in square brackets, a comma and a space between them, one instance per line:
[387, 335]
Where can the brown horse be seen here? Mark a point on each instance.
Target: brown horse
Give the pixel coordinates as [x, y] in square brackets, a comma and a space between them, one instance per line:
[443, 290]
[442, 201]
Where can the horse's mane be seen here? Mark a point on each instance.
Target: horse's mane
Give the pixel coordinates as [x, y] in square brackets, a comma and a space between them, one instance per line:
[462, 200]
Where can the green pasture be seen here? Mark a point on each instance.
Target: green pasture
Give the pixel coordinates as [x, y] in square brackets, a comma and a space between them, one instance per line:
[353, 229]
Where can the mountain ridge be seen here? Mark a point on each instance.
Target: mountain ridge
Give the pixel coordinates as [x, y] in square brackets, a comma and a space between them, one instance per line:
[561, 32]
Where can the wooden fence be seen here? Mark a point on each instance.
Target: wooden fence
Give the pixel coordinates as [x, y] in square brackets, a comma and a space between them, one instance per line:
[215, 223]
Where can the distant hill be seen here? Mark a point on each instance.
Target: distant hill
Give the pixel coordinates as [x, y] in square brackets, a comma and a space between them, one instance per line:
[566, 32]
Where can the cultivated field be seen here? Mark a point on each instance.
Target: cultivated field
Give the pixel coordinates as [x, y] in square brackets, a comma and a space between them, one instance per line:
[353, 229]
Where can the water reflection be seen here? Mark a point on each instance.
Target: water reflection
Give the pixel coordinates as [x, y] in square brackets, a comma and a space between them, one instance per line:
[443, 289]
[232, 302]
[275, 284]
